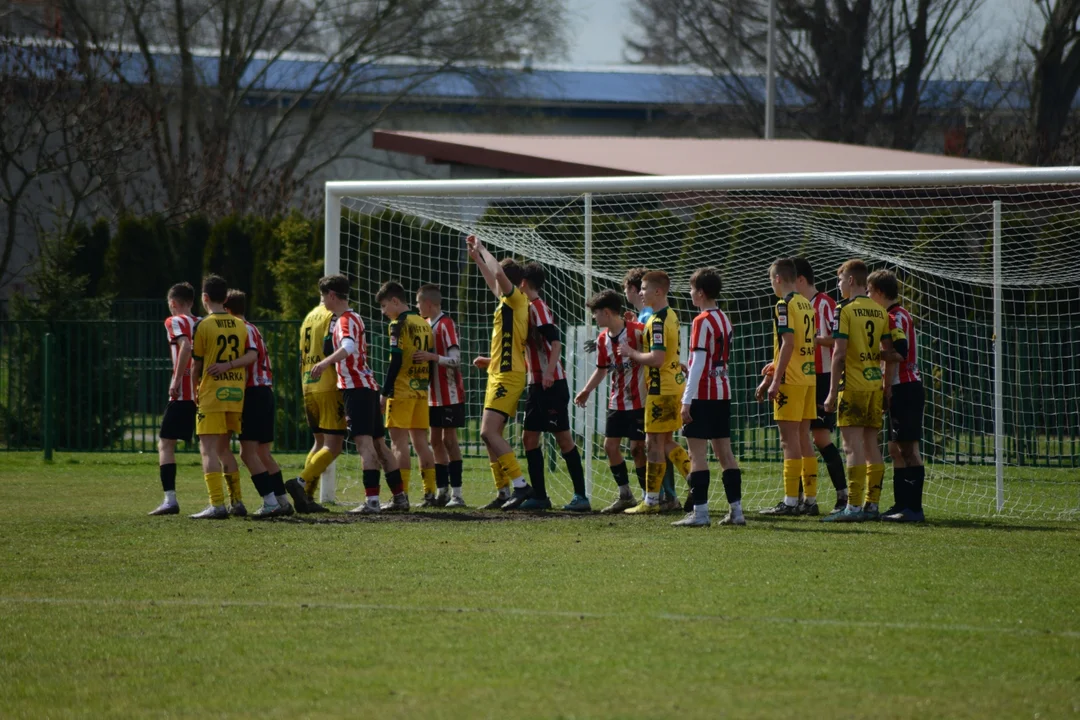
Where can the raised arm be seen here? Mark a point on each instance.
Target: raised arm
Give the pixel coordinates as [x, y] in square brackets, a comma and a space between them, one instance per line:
[494, 276]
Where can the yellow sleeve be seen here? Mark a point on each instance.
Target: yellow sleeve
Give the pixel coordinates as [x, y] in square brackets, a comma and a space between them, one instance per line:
[671, 335]
[844, 328]
[198, 344]
[783, 317]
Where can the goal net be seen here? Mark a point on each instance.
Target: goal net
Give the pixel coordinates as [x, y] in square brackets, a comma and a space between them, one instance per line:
[987, 262]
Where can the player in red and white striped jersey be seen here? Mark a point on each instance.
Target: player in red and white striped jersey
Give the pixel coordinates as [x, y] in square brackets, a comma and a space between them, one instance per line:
[823, 426]
[547, 406]
[906, 399]
[626, 399]
[446, 396]
[178, 422]
[706, 403]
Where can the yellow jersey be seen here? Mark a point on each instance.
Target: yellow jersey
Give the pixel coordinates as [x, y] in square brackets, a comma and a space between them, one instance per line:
[314, 332]
[509, 332]
[220, 337]
[794, 314]
[410, 334]
[863, 323]
[662, 333]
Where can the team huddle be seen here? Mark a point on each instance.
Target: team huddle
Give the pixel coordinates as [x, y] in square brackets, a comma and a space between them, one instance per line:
[834, 364]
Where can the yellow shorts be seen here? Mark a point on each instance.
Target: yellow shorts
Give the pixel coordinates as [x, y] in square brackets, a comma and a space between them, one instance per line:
[795, 403]
[325, 412]
[217, 423]
[663, 413]
[408, 413]
[503, 392]
[856, 408]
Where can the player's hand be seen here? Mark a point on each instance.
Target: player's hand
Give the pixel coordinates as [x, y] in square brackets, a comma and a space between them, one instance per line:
[582, 398]
[174, 390]
[549, 377]
[317, 370]
[769, 369]
[629, 316]
[589, 345]
[425, 356]
[475, 246]
[382, 404]
[218, 368]
[686, 419]
[774, 389]
[886, 397]
[685, 370]
[624, 344]
[482, 363]
[762, 390]
[830, 403]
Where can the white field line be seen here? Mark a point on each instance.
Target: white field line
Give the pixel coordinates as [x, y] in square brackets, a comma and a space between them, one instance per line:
[530, 612]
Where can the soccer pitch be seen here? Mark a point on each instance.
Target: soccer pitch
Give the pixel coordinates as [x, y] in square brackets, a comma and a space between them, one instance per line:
[107, 612]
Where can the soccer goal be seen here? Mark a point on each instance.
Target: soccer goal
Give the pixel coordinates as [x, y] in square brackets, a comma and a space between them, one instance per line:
[989, 262]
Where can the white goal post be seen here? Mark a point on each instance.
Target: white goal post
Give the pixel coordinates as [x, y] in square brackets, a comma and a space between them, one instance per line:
[987, 261]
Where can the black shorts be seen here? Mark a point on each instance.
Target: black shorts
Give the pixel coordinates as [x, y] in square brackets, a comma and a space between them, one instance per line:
[178, 422]
[628, 424]
[711, 420]
[362, 412]
[906, 412]
[824, 420]
[548, 409]
[257, 422]
[447, 416]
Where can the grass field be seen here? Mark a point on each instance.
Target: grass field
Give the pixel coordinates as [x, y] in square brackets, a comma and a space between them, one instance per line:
[106, 612]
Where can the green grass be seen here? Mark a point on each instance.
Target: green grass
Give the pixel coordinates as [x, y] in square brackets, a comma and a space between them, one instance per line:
[106, 612]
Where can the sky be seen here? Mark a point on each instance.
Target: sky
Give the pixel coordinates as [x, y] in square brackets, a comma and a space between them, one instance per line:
[599, 27]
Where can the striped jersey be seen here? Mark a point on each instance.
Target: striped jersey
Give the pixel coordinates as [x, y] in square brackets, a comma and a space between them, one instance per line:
[626, 378]
[711, 332]
[902, 327]
[824, 313]
[176, 327]
[259, 372]
[447, 384]
[353, 371]
[539, 347]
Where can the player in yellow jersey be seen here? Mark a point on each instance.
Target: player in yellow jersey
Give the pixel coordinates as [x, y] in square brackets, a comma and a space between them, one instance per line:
[664, 388]
[860, 330]
[405, 388]
[219, 339]
[790, 383]
[322, 399]
[505, 365]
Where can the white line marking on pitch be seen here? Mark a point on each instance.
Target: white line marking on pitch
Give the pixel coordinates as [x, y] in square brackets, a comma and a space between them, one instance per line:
[581, 614]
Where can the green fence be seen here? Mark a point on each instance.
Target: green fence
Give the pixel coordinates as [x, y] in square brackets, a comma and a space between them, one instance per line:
[102, 386]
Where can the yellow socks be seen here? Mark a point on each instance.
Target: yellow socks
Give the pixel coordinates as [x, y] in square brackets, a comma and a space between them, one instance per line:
[428, 474]
[232, 479]
[311, 454]
[497, 473]
[681, 460]
[874, 476]
[215, 486]
[654, 478]
[406, 476]
[315, 467]
[856, 482]
[792, 473]
[511, 468]
[809, 476]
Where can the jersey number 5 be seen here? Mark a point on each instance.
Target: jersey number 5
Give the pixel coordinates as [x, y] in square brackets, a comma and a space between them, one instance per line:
[307, 341]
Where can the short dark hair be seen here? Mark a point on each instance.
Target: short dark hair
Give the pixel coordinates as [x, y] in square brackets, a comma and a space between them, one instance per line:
[215, 288]
[803, 268]
[514, 272]
[337, 284]
[707, 280]
[182, 293]
[885, 282]
[236, 302]
[431, 293]
[633, 278]
[391, 290]
[606, 300]
[657, 277]
[856, 269]
[784, 268]
[534, 274]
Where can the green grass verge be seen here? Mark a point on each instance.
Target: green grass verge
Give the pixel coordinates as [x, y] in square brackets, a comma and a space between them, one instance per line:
[106, 612]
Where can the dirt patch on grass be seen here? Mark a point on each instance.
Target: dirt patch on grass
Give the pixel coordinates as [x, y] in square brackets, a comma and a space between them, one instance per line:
[423, 516]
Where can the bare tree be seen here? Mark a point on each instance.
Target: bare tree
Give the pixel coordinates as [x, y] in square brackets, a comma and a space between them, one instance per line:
[1055, 78]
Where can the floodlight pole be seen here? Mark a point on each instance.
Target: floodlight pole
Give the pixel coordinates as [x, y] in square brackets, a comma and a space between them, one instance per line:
[770, 74]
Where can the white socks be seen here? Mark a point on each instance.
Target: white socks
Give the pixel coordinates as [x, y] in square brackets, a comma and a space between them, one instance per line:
[170, 497]
[519, 482]
[652, 498]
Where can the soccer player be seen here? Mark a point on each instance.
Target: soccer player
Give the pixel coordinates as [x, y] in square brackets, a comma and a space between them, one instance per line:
[904, 389]
[220, 340]
[405, 388]
[626, 408]
[791, 388]
[446, 396]
[669, 501]
[547, 406]
[257, 422]
[322, 406]
[861, 327]
[178, 422]
[360, 397]
[665, 380]
[823, 425]
[706, 403]
[505, 366]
